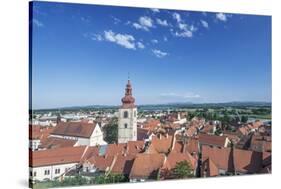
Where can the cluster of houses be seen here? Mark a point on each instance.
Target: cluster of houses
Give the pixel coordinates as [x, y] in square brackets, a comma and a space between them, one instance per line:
[148, 149]
[72, 147]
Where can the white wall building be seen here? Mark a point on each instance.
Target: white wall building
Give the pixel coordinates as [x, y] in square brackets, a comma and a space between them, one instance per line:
[88, 134]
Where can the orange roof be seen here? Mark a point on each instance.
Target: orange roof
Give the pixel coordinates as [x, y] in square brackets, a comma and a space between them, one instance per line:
[54, 142]
[114, 149]
[162, 145]
[221, 157]
[56, 156]
[123, 164]
[209, 168]
[75, 129]
[247, 161]
[212, 140]
[39, 132]
[134, 147]
[146, 165]
[151, 124]
[174, 158]
[101, 162]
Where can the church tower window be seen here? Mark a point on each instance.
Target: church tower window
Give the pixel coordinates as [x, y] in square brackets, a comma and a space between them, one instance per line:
[125, 114]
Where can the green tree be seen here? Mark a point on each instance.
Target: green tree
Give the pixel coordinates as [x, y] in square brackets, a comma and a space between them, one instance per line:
[182, 170]
[111, 132]
[244, 119]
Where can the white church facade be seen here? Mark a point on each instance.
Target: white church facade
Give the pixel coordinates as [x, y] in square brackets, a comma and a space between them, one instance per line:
[127, 118]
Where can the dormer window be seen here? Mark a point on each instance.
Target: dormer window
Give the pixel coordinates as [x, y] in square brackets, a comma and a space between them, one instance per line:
[125, 114]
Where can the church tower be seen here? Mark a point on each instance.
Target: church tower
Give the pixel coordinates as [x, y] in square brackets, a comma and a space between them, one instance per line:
[127, 121]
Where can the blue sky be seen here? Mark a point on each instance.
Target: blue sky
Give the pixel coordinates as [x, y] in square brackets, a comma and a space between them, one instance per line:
[82, 55]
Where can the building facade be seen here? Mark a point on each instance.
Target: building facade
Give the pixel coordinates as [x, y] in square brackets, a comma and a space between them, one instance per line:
[127, 120]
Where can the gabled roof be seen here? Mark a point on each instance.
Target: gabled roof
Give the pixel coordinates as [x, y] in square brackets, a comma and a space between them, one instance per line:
[221, 157]
[209, 168]
[57, 156]
[146, 165]
[212, 140]
[134, 147]
[114, 149]
[174, 158]
[100, 162]
[162, 145]
[38, 132]
[75, 129]
[123, 164]
[247, 161]
[54, 142]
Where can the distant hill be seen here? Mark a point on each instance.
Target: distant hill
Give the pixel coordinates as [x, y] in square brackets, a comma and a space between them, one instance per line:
[168, 105]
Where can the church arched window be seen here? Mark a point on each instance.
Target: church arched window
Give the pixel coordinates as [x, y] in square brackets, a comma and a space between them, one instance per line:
[125, 114]
[125, 125]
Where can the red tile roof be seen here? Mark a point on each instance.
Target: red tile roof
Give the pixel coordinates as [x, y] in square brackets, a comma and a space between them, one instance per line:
[56, 156]
[100, 162]
[162, 145]
[123, 164]
[75, 129]
[221, 157]
[209, 168]
[39, 132]
[213, 140]
[134, 147]
[146, 166]
[174, 158]
[246, 161]
[114, 149]
[54, 142]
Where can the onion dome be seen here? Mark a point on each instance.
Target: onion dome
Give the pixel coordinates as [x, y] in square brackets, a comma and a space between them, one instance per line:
[128, 101]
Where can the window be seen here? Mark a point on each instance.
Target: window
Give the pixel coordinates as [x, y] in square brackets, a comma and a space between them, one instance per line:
[125, 114]
[30, 173]
[57, 171]
[135, 113]
[47, 172]
[34, 174]
[125, 125]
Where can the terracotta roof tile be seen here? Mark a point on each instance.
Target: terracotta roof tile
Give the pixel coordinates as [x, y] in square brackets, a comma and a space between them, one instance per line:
[247, 161]
[54, 142]
[146, 166]
[214, 140]
[75, 129]
[56, 156]
[221, 157]
[123, 164]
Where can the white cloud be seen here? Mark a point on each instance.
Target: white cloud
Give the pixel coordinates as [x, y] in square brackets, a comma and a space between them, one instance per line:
[159, 53]
[37, 23]
[124, 40]
[144, 23]
[155, 10]
[162, 22]
[140, 45]
[165, 38]
[185, 30]
[222, 17]
[177, 17]
[154, 41]
[186, 33]
[115, 20]
[204, 23]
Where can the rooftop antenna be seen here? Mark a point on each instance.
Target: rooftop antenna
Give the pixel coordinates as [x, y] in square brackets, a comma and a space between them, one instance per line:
[128, 75]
